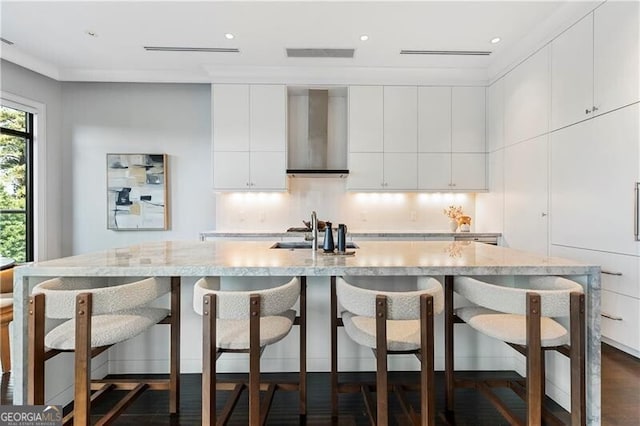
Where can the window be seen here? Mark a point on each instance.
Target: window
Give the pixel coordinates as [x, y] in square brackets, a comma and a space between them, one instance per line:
[16, 184]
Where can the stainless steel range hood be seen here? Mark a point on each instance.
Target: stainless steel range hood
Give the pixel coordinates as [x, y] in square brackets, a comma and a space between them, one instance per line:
[317, 133]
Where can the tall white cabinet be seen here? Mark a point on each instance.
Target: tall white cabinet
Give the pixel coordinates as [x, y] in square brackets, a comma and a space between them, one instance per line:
[249, 137]
[567, 121]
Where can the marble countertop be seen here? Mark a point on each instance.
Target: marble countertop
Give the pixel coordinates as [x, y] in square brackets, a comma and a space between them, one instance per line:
[352, 234]
[238, 258]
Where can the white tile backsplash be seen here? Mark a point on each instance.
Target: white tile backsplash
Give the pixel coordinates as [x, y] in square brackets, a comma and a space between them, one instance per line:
[275, 211]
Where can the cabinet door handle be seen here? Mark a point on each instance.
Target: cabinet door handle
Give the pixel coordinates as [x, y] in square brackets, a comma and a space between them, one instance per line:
[611, 317]
[453, 184]
[587, 111]
[618, 274]
[594, 109]
[635, 210]
[543, 214]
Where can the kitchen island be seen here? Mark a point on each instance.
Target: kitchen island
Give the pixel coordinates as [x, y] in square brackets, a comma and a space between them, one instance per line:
[257, 258]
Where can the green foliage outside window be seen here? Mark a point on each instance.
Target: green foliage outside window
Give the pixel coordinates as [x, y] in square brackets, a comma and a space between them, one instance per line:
[13, 185]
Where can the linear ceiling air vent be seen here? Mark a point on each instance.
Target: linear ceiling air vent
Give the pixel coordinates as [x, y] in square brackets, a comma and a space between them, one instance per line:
[446, 52]
[192, 49]
[320, 53]
[4, 40]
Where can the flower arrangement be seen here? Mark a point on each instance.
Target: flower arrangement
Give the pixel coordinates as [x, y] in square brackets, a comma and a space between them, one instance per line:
[453, 212]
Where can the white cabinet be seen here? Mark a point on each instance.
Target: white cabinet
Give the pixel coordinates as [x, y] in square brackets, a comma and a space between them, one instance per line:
[382, 171]
[468, 119]
[616, 55]
[451, 138]
[230, 107]
[495, 116]
[526, 196]
[434, 171]
[382, 138]
[434, 119]
[594, 167]
[433, 138]
[365, 118]
[595, 64]
[572, 74]
[365, 171]
[400, 119]
[249, 171]
[526, 96]
[268, 117]
[249, 137]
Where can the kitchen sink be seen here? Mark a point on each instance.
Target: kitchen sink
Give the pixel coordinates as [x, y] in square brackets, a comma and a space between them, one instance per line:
[292, 245]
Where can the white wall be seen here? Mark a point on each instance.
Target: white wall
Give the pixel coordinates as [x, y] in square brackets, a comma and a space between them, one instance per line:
[101, 118]
[23, 83]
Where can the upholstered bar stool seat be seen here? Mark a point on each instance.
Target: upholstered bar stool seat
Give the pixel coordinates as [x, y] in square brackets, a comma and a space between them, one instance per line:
[97, 315]
[233, 333]
[510, 327]
[520, 312]
[391, 315]
[241, 320]
[107, 329]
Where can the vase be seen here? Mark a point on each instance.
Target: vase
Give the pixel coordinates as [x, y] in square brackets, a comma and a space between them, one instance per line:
[453, 225]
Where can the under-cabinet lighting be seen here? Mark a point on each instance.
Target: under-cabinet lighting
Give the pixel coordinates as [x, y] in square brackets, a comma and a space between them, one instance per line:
[495, 40]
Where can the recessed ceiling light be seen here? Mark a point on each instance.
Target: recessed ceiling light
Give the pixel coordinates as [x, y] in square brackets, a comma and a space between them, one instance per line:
[229, 36]
[364, 37]
[495, 40]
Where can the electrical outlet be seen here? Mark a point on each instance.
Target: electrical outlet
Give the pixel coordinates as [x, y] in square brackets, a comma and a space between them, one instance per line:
[262, 216]
[363, 216]
[413, 216]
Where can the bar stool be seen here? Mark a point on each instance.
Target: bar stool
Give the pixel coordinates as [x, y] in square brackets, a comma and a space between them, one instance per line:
[246, 321]
[520, 313]
[95, 317]
[378, 314]
[6, 316]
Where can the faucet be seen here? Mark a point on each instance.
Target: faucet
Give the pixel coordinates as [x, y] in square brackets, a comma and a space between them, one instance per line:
[314, 230]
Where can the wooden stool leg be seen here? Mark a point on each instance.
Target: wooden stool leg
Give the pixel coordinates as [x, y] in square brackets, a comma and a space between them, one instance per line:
[5, 347]
[578, 409]
[254, 360]
[82, 398]
[209, 340]
[302, 385]
[427, 389]
[382, 404]
[534, 360]
[35, 373]
[334, 350]
[174, 376]
[448, 343]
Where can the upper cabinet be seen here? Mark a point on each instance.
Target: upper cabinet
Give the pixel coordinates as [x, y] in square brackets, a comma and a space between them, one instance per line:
[400, 119]
[268, 118]
[249, 137]
[495, 116]
[526, 99]
[452, 152]
[616, 53]
[230, 109]
[434, 119]
[365, 118]
[594, 64]
[468, 119]
[572, 74]
[424, 138]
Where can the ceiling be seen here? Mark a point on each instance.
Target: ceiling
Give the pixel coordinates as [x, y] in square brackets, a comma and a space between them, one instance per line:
[53, 38]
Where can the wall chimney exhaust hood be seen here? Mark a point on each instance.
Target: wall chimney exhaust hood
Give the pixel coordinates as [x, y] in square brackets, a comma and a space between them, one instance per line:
[317, 132]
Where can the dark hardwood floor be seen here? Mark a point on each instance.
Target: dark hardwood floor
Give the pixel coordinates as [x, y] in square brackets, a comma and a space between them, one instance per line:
[620, 400]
